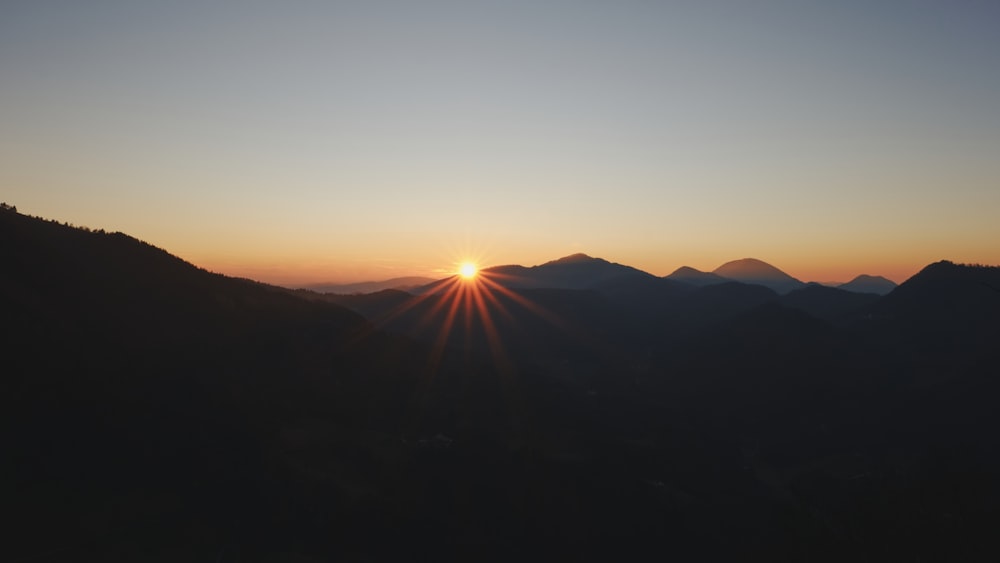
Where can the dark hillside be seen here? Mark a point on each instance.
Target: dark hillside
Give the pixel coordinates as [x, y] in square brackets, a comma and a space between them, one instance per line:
[710, 305]
[946, 316]
[140, 391]
[828, 303]
[128, 289]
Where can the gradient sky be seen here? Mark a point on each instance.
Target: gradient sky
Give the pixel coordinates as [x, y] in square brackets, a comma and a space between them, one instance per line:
[298, 141]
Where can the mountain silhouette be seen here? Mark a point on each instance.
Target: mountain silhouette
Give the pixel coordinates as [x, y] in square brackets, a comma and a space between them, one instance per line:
[751, 270]
[692, 276]
[869, 284]
[577, 258]
[147, 403]
[59, 275]
[133, 377]
[945, 292]
[947, 310]
[577, 271]
[626, 286]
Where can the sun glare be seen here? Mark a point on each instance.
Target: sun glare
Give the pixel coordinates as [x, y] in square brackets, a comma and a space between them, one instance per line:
[468, 270]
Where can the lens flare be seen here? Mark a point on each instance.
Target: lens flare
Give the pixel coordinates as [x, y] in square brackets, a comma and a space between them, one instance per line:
[468, 270]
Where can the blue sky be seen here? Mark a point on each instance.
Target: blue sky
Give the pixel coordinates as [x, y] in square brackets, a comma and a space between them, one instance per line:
[306, 141]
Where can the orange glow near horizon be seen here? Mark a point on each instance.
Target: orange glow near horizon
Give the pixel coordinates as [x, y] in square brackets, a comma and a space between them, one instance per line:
[298, 273]
[404, 158]
[437, 259]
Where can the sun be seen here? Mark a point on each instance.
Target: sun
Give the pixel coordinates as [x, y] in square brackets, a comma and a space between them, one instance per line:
[468, 270]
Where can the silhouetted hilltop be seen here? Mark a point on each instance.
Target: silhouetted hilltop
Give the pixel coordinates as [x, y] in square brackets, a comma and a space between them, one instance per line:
[62, 275]
[578, 258]
[951, 308]
[751, 270]
[626, 286]
[692, 276]
[946, 292]
[577, 271]
[136, 381]
[869, 284]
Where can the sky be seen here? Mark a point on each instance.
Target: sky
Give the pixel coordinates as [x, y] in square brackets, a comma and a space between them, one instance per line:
[319, 141]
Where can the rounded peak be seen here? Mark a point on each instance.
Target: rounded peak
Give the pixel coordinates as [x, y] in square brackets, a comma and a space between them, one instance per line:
[748, 261]
[685, 270]
[574, 259]
[869, 284]
[689, 274]
[947, 268]
[867, 278]
[749, 267]
[939, 266]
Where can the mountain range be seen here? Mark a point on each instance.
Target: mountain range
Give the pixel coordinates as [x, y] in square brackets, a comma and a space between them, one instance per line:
[580, 271]
[577, 410]
[753, 271]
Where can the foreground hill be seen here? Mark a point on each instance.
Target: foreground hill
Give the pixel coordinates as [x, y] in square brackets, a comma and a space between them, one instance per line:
[58, 275]
[947, 311]
[144, 399]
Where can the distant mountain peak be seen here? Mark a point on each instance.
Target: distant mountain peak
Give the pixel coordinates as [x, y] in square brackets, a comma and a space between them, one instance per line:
[869, 284]
[752, 270]
[693, 276]
[576, 271]
[687, 270]
[579, 257]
